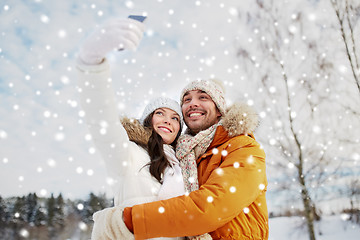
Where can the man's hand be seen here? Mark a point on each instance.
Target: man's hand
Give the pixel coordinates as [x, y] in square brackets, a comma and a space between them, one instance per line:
[109, 225]
[114, 35]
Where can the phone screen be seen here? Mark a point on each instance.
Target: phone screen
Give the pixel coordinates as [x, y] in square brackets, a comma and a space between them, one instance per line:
[137, 18]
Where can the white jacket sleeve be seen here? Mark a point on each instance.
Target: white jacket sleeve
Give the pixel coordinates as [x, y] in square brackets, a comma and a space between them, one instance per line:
[98, 101]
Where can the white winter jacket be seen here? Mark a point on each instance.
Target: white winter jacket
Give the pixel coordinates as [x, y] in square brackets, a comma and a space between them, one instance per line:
[126, 162]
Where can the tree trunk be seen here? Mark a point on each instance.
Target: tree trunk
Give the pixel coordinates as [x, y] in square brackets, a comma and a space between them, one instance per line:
[309, 215]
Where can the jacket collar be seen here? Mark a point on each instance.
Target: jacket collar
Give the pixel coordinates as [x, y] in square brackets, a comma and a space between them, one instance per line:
[222, 136]
[239, 119]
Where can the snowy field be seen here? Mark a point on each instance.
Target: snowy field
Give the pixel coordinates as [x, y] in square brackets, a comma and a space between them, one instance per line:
[331, 227]
[291, 228]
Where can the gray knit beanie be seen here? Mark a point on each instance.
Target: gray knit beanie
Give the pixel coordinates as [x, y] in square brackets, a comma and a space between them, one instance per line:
[161, 102]
[213, 88]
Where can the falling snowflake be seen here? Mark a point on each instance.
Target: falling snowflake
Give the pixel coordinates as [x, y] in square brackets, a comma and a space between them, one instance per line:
[161, 209]
[90, 172]
[3, 134]
[215, 151]
[44, 18]
[291, 165]
[62, 33]
[246, 210]
[80, 206]
[129, 4]
[43, 192]
[236, 164]
[51, 162]
[82, 225]
[79, 170]
[24, 233]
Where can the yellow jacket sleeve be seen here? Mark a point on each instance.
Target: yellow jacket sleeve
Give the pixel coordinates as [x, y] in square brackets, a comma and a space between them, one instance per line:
[230, 188]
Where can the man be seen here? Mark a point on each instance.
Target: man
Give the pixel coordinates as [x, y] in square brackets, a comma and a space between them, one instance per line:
[218, 149]
[230, 203]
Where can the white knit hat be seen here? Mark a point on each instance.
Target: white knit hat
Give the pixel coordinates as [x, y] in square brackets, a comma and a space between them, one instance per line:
[161, 102]
[213, 88]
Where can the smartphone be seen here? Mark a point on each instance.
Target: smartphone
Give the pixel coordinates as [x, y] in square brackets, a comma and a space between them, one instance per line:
[137, 18]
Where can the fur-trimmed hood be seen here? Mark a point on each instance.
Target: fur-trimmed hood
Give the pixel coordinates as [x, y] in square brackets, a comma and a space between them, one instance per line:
[239, 119]
[136, 131]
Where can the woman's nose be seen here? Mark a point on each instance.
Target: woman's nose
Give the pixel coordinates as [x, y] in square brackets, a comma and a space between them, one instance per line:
[166, 120]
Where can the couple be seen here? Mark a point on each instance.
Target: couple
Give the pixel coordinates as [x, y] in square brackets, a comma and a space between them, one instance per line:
[213, 187]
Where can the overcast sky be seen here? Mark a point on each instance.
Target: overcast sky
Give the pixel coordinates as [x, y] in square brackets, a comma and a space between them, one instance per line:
[44, 144]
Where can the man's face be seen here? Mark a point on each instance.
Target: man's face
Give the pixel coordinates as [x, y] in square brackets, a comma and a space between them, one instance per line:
[199, 111]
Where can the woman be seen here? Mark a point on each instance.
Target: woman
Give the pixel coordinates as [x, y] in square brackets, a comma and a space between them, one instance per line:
[139, 155]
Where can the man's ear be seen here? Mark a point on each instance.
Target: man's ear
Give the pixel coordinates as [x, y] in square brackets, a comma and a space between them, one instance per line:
[218, 114]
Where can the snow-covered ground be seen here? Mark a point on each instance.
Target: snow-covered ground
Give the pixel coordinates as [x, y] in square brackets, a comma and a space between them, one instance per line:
[329, 228]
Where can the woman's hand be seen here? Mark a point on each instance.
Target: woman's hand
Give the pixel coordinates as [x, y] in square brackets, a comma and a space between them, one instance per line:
[109, 224]
[98, 230]
[114, 35]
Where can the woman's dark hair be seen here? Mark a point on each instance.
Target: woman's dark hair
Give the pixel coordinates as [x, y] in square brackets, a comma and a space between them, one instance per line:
[155, 149]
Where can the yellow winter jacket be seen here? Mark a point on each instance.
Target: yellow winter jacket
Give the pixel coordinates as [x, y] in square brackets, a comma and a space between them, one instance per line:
[230, 203]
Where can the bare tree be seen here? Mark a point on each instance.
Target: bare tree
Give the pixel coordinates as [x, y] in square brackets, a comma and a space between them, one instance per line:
[352, 191]
[348, 13]
[287, 58]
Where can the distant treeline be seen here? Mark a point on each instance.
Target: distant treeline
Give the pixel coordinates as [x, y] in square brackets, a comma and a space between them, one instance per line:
[55, 218]
[34, 217]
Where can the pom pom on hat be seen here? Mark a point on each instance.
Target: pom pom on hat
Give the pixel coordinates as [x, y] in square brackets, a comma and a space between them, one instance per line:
[214, 88]
[161, 102]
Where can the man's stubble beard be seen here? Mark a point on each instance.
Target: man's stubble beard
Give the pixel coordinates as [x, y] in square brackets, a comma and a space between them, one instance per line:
[196, 129]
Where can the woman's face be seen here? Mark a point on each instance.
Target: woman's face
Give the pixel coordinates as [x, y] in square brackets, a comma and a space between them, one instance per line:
[166, 123]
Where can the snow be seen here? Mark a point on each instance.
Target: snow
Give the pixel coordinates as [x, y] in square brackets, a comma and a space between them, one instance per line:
[331, 227]
[39, 41]
[42, 134]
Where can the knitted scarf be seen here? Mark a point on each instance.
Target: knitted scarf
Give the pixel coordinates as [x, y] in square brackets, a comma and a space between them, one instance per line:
[188, 149]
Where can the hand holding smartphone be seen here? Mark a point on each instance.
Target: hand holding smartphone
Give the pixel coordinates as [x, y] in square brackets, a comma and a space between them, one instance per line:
[137, 18]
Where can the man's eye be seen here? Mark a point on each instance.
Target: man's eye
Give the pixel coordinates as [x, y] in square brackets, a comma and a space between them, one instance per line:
[187, 99]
